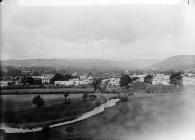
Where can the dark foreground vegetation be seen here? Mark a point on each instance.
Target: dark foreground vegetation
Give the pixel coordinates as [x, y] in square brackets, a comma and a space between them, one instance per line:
[41, 115]
[46, 91]
[143, 117]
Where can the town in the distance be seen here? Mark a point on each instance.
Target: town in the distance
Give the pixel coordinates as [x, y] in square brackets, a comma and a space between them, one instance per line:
[114, 80]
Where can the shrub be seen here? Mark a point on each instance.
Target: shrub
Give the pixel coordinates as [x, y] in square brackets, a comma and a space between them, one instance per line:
[38, 101]
[91, 96]
[176, 79]
[65, 96]
[148, 79]
[97, 104]
[85, 96]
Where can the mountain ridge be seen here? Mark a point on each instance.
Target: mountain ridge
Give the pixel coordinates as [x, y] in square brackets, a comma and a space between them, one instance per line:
[103, 64]
[177, 63]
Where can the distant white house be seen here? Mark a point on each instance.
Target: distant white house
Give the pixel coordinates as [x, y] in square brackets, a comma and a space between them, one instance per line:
[74, 74]
[114, 81]
[74, 82]
[45, 79]
[5, 83]
[161, 79]
[189, 80]
[111, 81]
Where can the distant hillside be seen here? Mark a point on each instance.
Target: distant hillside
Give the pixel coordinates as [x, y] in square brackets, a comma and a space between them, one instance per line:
[99, 64]
[179, 62]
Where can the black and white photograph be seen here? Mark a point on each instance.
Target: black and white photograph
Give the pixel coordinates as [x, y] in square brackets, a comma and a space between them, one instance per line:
[97, 70]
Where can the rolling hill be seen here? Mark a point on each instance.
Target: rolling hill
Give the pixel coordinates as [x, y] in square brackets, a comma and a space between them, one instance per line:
[99, 64]
[177, 63]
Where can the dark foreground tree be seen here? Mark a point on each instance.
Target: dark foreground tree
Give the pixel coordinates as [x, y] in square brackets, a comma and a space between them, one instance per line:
[148, 79]
[176, 79]
[38, 101]
[85, 96]
[65, 96]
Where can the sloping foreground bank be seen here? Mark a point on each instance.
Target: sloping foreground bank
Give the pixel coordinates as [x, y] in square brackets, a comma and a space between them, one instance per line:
[86, 115]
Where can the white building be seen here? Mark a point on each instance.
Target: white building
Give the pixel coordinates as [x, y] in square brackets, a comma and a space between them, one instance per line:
[161, 79]
[5, 83]
[114, 81]
[73, 82]
[189, 81]
[45, 79]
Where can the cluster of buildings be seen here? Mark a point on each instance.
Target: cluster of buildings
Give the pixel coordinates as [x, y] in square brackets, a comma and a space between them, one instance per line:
[45, 78]
[82, 80]
[108, 79]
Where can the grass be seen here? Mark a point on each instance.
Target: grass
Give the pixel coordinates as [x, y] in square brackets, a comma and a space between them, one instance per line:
[47, 114]
[18, 110]
[142, 117]
[46, 91]
[24, 102]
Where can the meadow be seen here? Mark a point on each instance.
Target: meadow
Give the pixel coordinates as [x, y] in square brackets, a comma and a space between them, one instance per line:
[46, 91]
[19, 111]
[158, 116]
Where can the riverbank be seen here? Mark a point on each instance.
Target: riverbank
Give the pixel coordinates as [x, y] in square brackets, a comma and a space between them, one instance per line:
[160, 116]
[85, 115]
[45, 91]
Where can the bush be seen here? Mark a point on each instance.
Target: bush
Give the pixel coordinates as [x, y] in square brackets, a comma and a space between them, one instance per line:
[148, 79]
[97, 104]
[38, 101]
[91, 96]
[176, 79]
[85, 96]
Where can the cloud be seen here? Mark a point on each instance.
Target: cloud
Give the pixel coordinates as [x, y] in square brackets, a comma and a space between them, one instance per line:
[110, 32]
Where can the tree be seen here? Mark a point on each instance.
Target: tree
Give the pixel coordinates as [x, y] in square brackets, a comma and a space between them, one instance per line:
[148, 79]
[58, 77]
[67, 77]
[85, 96]
[96, 84]
[28, 80]
[176, 79]
[125, 80]
[38, 101]
[66, 95]
[37, 82]
[92, 96]
[98, 103]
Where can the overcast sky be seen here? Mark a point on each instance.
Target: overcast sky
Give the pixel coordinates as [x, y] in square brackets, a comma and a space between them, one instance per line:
[96, 31]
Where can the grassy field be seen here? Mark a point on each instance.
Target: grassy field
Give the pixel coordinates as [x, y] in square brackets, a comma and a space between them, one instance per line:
[24, 102]
[18, 110]
[163, 116]
[46, 91]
